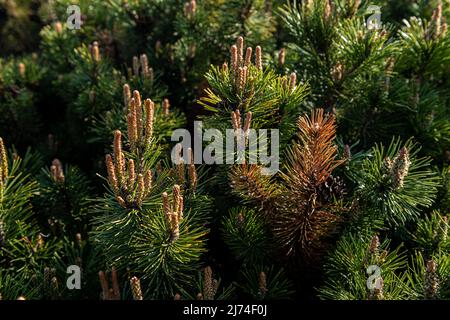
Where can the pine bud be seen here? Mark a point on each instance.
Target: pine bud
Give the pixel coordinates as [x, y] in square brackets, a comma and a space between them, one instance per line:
[400, 167]
[262, 282]
[95, 51]
[431, 280]
[148, 179]
[248, 56]
[209, 288]
[165, 107]
[2, 235]
[240, 50]
[135, 66]
[22, 69]
[281, 57]
[149, 119]
[3, 162]
[136, 288]
[144, 65]
[126, 96]
[234, 59]
[234, 120]
[327, 11]
[177, 297]
[374, 245]
[258, 58]
[111, 173]
[131, 175]
[292, 82]
[58, 27]
[57, 171]
[140, 190]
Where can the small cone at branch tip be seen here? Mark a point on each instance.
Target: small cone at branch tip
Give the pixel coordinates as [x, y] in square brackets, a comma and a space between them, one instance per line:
[234, 120]
[115, 283]
[132, 124]
[400, 168]
[192, 172]
[139, 124]
[121, 202]
[118, 157]
[78, 238]
[347, 153]
[225, 67]
[177, 297]
[238, 118]
[136, 288]
[176, 196]
[137, 99]
[242, 78]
